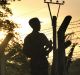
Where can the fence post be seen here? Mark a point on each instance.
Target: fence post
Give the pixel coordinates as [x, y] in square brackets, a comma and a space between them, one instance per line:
[61, 46]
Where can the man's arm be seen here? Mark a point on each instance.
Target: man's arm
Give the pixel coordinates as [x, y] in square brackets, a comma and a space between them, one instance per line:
[47, 44]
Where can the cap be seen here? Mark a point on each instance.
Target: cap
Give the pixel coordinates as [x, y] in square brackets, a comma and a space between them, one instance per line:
[34, 21]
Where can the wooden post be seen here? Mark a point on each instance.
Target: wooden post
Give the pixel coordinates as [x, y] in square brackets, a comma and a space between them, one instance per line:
[54, 69]
[61, 46]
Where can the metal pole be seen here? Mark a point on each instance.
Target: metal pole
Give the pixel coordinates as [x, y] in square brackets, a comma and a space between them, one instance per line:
[49, 11]
[54, 64]
[54, 69]
[58, 10]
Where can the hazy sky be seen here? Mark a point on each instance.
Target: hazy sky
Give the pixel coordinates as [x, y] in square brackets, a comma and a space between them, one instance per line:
[31, 8]
[26, 9]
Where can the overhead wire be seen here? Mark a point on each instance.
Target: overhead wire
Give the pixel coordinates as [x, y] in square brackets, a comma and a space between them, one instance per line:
[48, 30]
[75, 21]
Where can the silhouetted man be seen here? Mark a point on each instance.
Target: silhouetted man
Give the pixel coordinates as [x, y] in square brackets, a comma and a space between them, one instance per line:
[37, 47]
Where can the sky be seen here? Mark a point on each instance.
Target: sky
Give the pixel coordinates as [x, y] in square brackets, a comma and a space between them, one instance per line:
[26, 9]
[32, 8]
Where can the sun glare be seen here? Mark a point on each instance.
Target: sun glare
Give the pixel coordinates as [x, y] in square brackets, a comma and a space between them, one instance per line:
[2, 36]
[24, 27]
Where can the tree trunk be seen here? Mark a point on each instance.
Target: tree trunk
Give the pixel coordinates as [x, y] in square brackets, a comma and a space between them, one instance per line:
[2, 55]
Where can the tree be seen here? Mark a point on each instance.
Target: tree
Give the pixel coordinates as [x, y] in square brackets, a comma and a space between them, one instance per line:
[16, 61]
[7, 26]
[11, 46]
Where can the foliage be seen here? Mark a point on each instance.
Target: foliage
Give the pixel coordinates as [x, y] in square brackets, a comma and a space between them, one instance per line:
[16, 61]
[7, 25]
[5, 2]
[75, 67]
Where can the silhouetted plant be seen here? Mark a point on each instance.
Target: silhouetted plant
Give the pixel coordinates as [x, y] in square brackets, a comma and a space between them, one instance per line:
[16, 58]
[75, 67]
[8, 27]
[11, 56]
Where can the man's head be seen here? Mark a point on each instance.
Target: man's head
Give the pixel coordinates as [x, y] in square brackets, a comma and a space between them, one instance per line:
[35, 23]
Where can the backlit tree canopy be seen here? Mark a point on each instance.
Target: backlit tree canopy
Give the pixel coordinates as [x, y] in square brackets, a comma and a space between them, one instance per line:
[11, 46]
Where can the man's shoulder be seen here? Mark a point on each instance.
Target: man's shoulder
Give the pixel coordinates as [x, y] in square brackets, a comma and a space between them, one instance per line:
[27, 37]
[31, 36]
[42, 35]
